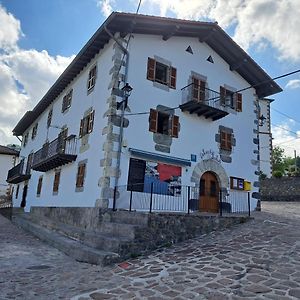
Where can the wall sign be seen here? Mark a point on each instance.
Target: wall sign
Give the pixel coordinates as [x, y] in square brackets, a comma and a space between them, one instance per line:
[209, 154]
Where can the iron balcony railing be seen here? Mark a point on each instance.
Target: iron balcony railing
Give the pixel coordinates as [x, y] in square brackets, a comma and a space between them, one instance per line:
[18, 173]
[161, 196]
[60, 147]
[209, 97]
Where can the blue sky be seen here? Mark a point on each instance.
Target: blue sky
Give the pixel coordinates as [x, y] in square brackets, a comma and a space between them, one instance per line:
[42, 37]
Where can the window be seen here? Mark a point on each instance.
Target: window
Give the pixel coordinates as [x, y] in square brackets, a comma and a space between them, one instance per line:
[56, 181]
[160, 122]
[61, 145]
[236, 183]
[17, 191]
[80, 175]
[86, 124]
[92, 78]
[67, 99]
[39, 186]
[34, 131]
[161, 73]
[226, 141]
[198, 89]
[25, 139]
[29, 163]
[49, 119]
[231, 99]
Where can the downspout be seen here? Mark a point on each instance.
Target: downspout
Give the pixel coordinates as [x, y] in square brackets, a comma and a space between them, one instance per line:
[118, 163]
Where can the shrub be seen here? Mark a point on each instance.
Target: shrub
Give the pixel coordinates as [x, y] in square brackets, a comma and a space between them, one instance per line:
[277, 174]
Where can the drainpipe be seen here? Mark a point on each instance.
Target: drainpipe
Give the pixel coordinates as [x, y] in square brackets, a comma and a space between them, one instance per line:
[123, 104]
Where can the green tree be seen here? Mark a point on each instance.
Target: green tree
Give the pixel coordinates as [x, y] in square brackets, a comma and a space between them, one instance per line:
[278, 160]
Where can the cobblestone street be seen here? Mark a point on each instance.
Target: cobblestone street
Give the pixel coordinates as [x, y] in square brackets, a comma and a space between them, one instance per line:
[256, 260]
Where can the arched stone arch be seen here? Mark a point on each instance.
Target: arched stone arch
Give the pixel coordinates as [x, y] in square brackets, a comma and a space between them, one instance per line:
[210, 165]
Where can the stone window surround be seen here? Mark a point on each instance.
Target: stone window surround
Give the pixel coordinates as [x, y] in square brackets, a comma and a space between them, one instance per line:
[225, 155]
[228, 108]
[89, 90]
[84, 140]
[82, 162]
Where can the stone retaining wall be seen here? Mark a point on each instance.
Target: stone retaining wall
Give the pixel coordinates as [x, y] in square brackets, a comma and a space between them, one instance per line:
[280, 189]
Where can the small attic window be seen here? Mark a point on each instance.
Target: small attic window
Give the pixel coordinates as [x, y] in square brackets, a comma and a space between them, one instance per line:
[210, 59]
[189, 50]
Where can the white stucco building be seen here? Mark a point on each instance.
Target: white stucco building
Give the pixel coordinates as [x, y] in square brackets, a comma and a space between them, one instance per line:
[189, 120]
[8, 159]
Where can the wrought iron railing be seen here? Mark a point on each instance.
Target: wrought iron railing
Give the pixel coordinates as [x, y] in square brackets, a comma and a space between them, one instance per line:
[17, 171]
[60, 145]
[209, 97]
[162, 196]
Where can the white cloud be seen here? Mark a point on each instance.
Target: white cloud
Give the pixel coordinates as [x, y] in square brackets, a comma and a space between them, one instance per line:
[25, 75]
[10, 30]
[284, 138]
[293, 84]
[255, 22]
[106, 6]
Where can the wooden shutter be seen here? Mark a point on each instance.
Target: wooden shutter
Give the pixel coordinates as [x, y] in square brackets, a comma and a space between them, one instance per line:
[228, 140]
[239, 101]
[39, 187]
[172, 82]
[222, 95]
[90, 122]
[80, 175]
[175, 126]
[153, 120]
[202, 90]
[196, 86]
[223, 140]
[151, 69]
[81, 127]
[56, 181]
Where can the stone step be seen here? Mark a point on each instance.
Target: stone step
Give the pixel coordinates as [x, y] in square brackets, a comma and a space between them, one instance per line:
[72, 247]
[97, 239]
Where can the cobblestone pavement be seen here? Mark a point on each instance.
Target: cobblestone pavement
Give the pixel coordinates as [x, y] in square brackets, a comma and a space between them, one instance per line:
[256, 260]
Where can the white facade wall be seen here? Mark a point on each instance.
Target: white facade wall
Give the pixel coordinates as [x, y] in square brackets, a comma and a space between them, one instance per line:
[81, 101]
[6, 163]
[265, 138]
[196, 133]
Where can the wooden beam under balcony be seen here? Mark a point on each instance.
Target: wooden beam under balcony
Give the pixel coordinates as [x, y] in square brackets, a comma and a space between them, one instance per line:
[202, 109]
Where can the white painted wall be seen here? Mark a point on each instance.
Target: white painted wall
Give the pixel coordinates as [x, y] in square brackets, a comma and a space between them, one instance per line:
[6, 163]
[196, 133]
[265, 139]
[81, 101]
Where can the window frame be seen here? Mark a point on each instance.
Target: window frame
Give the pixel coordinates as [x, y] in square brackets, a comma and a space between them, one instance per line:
[67, 101]
[80, 176]
[236, 99]
[173, 123]
[238, 181]
[91, 82]
[225, 140]
[39, 186]
[49, 118]
[34, 131]
[56, 181]
[171, 73]
[87, 124]
[25, 139]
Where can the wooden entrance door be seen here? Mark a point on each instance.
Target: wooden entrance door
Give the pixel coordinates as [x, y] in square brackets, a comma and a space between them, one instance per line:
[209, 193]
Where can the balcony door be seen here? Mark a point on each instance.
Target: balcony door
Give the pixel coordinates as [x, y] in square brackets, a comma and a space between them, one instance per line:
[209, 193]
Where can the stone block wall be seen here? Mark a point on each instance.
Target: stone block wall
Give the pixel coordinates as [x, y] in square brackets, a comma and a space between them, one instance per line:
[280, 189]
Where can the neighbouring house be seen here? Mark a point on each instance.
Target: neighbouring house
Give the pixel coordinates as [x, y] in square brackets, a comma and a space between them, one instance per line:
[265, 137]
[8, 159]
[189, 124]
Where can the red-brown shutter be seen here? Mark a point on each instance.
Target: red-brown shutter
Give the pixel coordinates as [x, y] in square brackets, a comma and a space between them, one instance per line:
[202, 90]
[175, 126]
[228, 140]
[56, 181]
[223, 140]
[196, 86]
[172, 83]
[91, 122]
[80, 176]
[151, 69]
[153, 120]
[81, 128]
[39, 187]
[239, 101]
[222, 95]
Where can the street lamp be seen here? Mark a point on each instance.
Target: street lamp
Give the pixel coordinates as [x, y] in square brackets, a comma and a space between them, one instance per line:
[126, 89]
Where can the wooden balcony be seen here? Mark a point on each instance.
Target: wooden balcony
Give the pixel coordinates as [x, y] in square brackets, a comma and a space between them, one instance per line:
[18, 173]
[205, 103]
[59, 152]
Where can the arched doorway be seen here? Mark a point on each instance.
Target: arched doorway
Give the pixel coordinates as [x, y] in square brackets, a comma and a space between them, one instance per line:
[209, 193]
